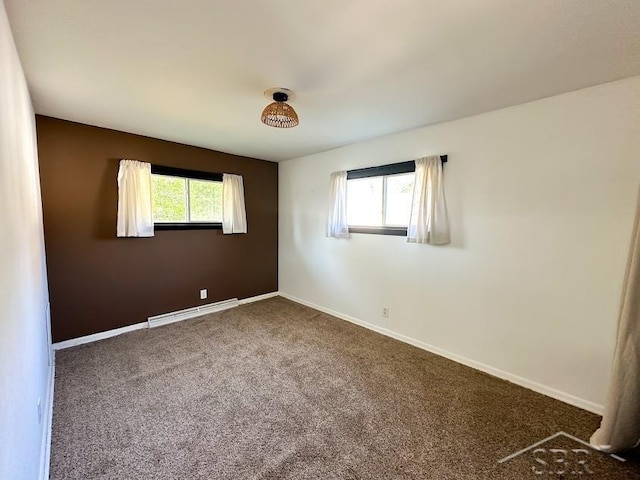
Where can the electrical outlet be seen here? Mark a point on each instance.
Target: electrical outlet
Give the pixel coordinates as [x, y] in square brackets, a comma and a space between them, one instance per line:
[39, 410]
[203, 294]
[385, 312]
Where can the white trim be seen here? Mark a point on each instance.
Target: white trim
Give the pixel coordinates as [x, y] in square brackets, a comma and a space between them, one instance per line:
[98, 336]
[47, 423]
[258, 298]
[187, 313]
[47, 313]
[496, 372]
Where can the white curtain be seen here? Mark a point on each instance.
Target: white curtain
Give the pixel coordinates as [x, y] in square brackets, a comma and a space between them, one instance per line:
[428, 221]
[135, 213]
[620, 427]
[337, 221]
[234, 213]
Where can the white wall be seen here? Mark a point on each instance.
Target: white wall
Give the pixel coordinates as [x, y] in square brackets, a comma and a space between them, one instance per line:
[24, 331]
[540, 198]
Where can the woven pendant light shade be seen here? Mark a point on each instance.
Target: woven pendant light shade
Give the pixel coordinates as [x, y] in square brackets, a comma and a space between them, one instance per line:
[279, 114]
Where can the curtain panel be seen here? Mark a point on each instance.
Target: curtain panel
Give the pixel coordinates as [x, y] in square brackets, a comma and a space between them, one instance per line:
[428, 222]
[135, 213]
[234, 214]
[337, 221]
[620, 427]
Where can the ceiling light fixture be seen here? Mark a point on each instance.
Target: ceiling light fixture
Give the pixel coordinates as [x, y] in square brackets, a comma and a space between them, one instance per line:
[279, 114]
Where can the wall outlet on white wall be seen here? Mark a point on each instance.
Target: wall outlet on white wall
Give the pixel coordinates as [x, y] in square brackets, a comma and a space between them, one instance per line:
[203, 294]
[39, 410]
[385, 312]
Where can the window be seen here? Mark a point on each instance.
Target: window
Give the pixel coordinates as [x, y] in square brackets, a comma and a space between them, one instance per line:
[186, 198]
[379, 199]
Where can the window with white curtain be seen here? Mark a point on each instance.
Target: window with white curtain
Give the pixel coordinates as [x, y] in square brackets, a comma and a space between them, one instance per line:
[399, 199]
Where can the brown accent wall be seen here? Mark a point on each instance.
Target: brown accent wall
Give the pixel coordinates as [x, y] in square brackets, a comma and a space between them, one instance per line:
[99, 282]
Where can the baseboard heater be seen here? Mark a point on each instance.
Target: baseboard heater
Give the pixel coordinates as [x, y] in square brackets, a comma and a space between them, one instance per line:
[166, 318]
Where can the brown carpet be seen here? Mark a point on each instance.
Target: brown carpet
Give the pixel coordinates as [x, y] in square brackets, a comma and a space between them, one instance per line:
[276, 390]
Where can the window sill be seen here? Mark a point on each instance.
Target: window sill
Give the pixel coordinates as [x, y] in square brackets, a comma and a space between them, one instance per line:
[187, 226]
[397, 231]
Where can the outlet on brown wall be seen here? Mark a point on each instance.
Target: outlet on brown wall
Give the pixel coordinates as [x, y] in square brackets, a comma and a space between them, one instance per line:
[97, 281]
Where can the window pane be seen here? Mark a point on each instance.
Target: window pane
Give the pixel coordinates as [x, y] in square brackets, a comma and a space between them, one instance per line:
[168, 199]
[205, 200]
[364, 202]
[398, 201]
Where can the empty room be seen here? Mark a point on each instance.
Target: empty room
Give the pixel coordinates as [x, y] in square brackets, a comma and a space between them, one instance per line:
[302, 240]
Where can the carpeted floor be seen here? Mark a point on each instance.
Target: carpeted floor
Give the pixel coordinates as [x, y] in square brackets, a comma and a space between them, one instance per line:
[276, 390]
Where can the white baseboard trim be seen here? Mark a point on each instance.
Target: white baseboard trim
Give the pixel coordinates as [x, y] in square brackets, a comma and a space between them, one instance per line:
[98, 336]
[257, 298]
[47, 424]
[138, 326]
[496, 372]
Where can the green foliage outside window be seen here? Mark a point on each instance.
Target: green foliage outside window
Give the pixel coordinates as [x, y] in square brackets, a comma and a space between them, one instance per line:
[205, 201]
[170, 200]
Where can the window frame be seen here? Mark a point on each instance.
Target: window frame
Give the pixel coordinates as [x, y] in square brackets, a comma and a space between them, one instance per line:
[382, 171]
[186, 173]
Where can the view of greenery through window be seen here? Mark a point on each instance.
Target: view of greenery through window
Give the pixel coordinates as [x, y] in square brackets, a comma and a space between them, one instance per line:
[170, 200]
[205, 200]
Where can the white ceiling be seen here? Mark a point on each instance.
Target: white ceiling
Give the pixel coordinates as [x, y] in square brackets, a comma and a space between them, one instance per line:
[193, 71]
